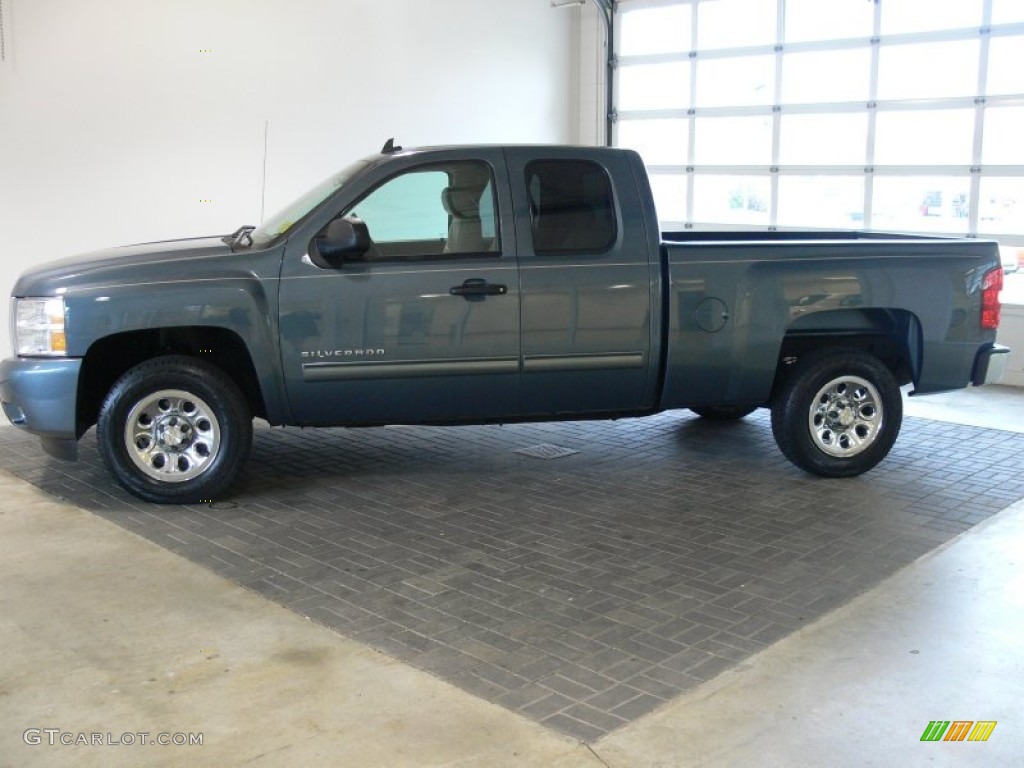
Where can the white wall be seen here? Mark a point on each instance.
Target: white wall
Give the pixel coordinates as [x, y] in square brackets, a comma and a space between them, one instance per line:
[589, 76]
[116, 124]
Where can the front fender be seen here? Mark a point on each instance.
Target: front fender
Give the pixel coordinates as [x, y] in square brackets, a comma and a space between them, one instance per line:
[243, 303]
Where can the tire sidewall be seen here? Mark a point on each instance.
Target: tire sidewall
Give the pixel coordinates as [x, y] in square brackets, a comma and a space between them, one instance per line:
[790, 414]
[200, 379]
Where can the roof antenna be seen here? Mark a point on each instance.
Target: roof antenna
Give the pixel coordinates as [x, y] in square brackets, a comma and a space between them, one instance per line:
[390, 148]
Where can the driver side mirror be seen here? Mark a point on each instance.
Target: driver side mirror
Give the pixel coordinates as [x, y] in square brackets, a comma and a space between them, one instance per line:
[346, 238]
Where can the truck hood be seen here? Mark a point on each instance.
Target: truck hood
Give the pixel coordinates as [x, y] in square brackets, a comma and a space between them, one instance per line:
[145, 262]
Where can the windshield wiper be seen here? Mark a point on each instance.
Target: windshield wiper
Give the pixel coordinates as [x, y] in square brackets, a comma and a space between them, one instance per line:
[239, 235]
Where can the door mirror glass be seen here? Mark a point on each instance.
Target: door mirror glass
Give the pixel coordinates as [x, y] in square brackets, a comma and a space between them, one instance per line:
[345, 238]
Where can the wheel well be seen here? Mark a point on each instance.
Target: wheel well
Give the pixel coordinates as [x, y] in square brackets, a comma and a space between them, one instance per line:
[891, 335]
[109, 358]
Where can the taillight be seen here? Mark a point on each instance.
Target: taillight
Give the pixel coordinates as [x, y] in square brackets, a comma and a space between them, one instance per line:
[991, 285]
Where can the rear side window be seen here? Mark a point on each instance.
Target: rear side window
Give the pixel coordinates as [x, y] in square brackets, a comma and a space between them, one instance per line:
[572, 210]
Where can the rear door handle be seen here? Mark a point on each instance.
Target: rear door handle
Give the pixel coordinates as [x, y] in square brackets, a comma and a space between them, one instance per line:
[476, 289]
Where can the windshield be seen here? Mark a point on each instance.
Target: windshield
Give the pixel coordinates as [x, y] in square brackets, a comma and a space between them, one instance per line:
[282, 221]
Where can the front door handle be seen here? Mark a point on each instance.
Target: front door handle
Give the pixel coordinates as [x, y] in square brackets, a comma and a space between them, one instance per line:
[477, 289]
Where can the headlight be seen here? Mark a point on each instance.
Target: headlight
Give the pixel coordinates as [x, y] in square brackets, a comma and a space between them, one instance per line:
[39, 327]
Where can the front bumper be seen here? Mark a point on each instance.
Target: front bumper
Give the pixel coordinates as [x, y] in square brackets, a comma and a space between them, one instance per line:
[39, 395]
[990, 364]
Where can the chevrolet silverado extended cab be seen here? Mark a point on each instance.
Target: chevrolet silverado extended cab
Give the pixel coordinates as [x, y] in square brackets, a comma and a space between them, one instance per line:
[485, 285]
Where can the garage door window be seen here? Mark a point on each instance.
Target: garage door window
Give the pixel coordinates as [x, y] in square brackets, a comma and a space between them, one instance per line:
[736, 104]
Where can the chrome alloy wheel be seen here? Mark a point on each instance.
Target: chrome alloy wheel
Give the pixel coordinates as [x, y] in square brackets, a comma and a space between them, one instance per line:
[172, 436]
[846, 416]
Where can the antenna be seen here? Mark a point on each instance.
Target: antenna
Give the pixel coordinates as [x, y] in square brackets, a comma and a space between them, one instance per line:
[390, 148]
[263, 185]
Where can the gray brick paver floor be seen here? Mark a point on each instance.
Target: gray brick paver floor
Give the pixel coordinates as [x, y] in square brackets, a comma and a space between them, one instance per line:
[580, 591]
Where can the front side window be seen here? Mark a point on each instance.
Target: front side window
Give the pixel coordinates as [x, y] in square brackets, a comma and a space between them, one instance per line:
[571, 207]
[440, 210]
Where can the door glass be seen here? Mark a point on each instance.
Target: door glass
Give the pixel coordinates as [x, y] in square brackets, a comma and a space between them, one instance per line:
[407, 208]
[571, 207]
[440, 210]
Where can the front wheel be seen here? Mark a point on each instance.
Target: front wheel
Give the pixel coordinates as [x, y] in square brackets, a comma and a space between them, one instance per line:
[174, 430]
[837, 413]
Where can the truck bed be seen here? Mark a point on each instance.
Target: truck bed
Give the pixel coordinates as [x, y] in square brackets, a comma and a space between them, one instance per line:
[836, 235]
[734, 299]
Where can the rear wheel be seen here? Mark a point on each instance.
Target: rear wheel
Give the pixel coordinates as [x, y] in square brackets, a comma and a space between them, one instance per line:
[724, 412]
[175, 430]
[837, 413]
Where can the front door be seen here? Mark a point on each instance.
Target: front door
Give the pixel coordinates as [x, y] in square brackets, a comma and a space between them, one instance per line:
[426, 327]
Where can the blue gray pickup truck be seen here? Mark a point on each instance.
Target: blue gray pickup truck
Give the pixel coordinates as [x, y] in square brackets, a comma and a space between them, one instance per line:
[469, 285]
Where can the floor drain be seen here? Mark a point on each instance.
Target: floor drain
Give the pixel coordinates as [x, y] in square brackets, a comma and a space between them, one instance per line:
[546, 451]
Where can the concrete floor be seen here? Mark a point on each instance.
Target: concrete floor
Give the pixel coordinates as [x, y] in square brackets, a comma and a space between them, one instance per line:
[106, 633]
[993, 407]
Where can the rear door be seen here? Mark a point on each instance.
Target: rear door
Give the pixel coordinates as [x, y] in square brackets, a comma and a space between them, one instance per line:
[587, 283]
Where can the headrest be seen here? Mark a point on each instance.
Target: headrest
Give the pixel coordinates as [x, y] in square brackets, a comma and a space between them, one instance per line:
[462, 202]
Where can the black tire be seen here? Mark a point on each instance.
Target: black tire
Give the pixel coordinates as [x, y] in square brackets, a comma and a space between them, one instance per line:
[175, 430]
[724, 412]
[837, 413]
